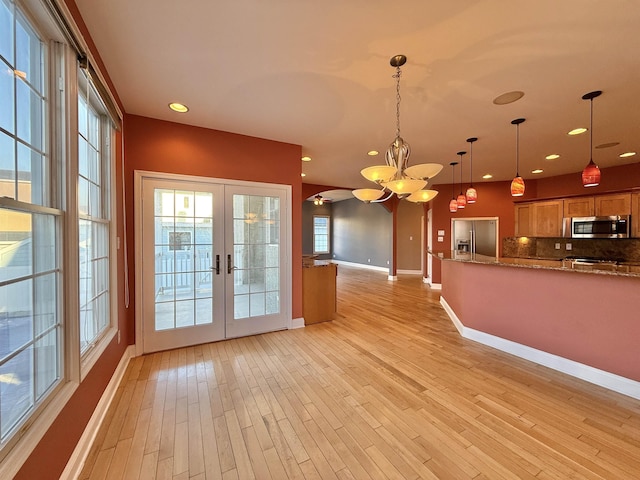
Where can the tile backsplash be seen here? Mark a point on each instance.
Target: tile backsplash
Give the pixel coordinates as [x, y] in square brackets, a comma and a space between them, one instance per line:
[627, 249]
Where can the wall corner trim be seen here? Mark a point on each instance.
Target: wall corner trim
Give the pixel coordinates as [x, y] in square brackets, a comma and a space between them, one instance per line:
[614, 382]
[297, 323]
[80, 453]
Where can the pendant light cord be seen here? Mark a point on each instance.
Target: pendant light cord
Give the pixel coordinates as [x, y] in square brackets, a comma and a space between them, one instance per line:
[471, 164]
[591, 131]
[517, 149]
[398, 99]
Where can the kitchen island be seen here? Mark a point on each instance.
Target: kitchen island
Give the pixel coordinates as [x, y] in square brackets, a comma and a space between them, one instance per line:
[584, 323]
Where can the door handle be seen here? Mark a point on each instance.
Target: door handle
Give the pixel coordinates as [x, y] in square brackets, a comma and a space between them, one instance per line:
[217, 264]
[229, 266]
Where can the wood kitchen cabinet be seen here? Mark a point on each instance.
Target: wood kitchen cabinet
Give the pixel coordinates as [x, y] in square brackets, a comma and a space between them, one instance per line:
[539, 219]
[548, 218]
[579, 207]
[635, 215]
[616, 204]
[524, 220]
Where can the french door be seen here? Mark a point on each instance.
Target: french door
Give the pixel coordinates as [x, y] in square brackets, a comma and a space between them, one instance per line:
[214, 261]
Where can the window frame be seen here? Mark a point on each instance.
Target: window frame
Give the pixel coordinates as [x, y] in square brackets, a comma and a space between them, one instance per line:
[60, 144]
[327, 235]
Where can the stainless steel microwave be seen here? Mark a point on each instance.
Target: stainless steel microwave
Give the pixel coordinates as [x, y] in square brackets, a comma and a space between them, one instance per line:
[597, 227]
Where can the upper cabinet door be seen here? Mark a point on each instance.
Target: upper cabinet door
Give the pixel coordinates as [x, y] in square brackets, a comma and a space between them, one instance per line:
[548, 219]
[524, 220]
[635, 215]
[609, 205]
[579, 207]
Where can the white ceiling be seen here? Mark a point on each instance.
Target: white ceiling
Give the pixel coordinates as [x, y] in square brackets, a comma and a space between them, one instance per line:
[317, 74]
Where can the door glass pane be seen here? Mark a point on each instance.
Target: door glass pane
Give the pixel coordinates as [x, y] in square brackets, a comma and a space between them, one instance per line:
[183, 223]
[256, 220]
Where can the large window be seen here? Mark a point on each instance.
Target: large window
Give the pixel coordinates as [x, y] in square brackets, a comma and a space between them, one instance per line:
[30, 273]
[93, 213]
[320, 234]
[55, 296]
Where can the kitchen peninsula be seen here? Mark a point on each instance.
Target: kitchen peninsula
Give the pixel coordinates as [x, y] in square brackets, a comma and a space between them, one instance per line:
[584, 323]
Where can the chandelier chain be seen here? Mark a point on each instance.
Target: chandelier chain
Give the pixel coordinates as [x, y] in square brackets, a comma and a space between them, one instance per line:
[398, 99]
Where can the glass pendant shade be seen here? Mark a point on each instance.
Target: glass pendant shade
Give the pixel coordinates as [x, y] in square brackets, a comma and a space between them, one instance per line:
[453, 205]
[461, 201]
[379, 173]
[423, 171]
[367, 194]
[422, 196]
[591, 175]
[405, 186]
[472, 195]
[517, 187]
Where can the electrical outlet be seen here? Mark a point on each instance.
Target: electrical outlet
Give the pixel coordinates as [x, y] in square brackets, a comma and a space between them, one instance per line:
[567, 246]
[368, 260]
[557, 246]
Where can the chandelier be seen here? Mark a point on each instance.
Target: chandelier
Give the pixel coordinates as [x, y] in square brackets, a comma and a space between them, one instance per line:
[397, 176]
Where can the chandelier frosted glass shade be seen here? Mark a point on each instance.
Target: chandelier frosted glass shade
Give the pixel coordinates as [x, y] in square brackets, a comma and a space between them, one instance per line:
[423, 171]
[472, 195]
[517, 187]
[367, 194]
[379, 173]
[422, 196]
[405, 186]
[591, 175]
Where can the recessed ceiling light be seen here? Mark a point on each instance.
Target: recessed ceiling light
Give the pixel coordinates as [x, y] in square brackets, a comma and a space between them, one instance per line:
[306, 159]
[178, 107]
[303, 174]
[487, 176]
[627, 154]
[537, 170]
[372, 153]
[553, 156]
[508, 97]
[577, 131]
[608, 145]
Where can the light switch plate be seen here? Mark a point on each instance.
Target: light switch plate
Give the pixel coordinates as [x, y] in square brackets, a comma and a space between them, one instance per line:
[568, 246]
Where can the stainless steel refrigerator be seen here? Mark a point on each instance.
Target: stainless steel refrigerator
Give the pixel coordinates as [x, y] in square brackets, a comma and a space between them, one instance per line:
[475, 235]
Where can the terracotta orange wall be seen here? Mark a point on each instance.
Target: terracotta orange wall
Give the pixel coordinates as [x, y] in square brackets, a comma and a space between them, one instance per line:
[494, 200]
[567, 319]
[160, 146]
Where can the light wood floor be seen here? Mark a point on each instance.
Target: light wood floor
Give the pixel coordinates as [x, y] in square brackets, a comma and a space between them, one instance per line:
[387, 390]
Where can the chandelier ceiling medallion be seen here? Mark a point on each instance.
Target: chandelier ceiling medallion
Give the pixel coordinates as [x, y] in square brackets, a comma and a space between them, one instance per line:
[397, 176]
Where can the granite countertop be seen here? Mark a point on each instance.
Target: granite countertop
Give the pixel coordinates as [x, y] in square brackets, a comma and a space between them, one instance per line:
[531, 262]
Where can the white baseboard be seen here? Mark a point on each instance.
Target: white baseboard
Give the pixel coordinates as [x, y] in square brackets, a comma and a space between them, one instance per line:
[79, 455]
[297, 323]
[410, 272]
[361, 265]
[392, 278]
[435, 286]
[590, 374]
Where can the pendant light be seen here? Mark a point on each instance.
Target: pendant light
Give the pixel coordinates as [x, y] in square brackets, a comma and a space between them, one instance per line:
[397, 176]
[517, 184]
[591, 173]
[461, 200]
[453, 204]
[472, 194]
